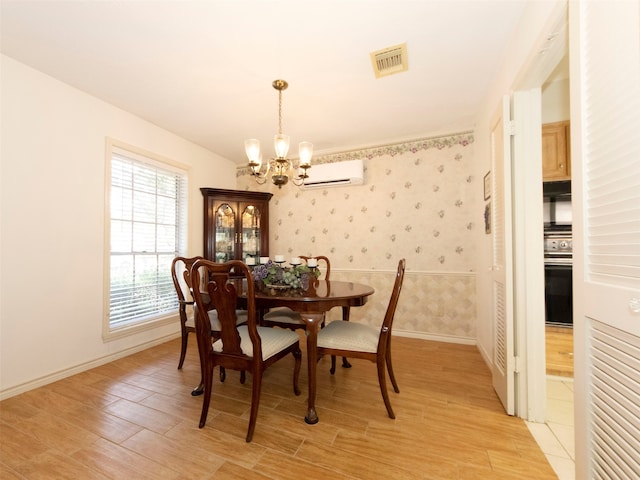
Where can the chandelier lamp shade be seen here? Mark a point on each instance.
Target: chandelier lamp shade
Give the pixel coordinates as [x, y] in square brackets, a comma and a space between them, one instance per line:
[280, 167]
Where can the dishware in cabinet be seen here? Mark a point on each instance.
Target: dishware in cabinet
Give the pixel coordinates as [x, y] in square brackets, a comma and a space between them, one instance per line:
[236, 224]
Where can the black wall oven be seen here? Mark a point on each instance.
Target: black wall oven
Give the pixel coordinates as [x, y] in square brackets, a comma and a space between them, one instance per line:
[558, 281]
[558, 253]
[558, 295]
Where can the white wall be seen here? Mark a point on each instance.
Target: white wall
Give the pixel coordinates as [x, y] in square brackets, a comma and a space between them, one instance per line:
[555, 101]
[52, 223]
[521, 54]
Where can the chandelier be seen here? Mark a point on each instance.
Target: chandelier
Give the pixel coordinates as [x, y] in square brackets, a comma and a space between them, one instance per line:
[280, 167]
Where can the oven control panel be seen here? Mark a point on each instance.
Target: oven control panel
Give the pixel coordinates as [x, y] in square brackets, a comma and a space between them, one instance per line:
[558, 244]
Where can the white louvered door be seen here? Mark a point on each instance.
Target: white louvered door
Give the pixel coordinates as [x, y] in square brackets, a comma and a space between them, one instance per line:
[502, 278]
[615, 412]
[605, 97]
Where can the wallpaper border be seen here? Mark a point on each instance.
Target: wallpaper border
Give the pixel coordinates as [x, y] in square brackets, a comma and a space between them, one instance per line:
[391, 149]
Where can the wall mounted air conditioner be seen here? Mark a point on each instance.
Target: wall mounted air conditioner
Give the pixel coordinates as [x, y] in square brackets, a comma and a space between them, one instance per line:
[335, 174]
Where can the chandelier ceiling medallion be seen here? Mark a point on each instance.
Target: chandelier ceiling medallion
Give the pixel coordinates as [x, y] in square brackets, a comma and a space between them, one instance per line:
[280, 167]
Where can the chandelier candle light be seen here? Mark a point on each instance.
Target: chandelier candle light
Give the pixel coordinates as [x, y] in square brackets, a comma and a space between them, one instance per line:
[281, 168]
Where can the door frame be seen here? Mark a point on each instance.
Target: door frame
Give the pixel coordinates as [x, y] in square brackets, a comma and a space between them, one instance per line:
[502, 279]
[529, 337]
[528, 256]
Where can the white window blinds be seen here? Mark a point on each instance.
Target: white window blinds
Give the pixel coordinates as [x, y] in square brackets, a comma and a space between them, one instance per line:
[148, 227]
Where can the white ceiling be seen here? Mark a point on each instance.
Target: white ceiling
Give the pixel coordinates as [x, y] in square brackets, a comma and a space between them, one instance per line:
[203, 69]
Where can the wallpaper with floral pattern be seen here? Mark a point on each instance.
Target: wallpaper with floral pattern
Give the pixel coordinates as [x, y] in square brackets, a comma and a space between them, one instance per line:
[417, 202]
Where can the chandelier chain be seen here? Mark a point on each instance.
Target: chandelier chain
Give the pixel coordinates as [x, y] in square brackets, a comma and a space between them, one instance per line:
[280, 112]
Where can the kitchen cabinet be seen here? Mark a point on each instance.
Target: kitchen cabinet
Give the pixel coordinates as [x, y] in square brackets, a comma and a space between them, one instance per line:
[236, 224]
[556, 151]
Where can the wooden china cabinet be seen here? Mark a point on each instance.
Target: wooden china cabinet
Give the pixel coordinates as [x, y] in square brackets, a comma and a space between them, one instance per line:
[236, 224]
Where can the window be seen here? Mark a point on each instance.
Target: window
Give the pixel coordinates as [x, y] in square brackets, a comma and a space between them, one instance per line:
[147, 227]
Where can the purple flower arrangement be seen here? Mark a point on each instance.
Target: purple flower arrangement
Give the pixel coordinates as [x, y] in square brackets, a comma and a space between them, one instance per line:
[297, 276]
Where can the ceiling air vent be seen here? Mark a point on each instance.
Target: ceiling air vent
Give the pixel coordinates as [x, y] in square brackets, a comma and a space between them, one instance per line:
[390, 60]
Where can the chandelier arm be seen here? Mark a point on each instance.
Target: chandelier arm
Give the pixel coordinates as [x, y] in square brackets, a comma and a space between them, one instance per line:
[257, 173]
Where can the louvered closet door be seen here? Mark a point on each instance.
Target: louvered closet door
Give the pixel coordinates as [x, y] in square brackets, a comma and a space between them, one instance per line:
[499, 212]
[605, 45]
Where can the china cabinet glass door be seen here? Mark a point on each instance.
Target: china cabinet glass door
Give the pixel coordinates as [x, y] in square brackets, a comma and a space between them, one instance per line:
[251, 233]
[225, 232]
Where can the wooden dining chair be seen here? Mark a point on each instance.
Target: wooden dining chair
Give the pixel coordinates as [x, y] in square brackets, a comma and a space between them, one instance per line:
[357, 340]
[284, 317]
[181, 275]
[239, 347]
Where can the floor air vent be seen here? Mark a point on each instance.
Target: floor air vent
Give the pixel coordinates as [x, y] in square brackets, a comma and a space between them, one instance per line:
[390, 60]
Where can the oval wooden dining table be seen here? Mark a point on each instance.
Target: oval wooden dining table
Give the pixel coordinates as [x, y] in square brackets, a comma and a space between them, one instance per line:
[312, 304]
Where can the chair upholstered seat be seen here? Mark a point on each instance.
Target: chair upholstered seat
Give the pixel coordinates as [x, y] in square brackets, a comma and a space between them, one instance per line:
[284, 315]
[273, 341]
[343, 335]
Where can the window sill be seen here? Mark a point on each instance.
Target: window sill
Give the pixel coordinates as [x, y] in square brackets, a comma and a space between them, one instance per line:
[109, 333]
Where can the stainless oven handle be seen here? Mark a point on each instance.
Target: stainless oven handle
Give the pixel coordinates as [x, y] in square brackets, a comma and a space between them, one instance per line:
[557, 266]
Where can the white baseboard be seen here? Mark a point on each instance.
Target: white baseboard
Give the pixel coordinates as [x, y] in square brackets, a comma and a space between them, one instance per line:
[436, 338]
[54, 377]
[485, 356]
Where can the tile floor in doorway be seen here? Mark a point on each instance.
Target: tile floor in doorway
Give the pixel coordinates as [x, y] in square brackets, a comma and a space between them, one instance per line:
[556, 437]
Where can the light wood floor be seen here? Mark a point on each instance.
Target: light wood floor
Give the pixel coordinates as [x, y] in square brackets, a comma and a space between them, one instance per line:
[135, 419]
[559, 351]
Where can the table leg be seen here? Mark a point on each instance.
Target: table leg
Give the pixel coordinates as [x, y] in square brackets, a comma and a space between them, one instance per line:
[313, 325]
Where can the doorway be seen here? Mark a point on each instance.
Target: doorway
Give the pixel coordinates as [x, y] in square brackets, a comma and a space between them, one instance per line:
[558, 334]
[560, 444]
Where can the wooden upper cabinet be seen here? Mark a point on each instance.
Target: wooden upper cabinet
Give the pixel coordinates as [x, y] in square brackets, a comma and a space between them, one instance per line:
[556, 151]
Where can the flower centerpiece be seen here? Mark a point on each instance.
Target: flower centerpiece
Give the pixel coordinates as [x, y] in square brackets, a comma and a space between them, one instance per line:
[275, 275]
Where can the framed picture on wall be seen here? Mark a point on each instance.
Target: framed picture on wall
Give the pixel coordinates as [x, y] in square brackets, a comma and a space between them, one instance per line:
[487, 185]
